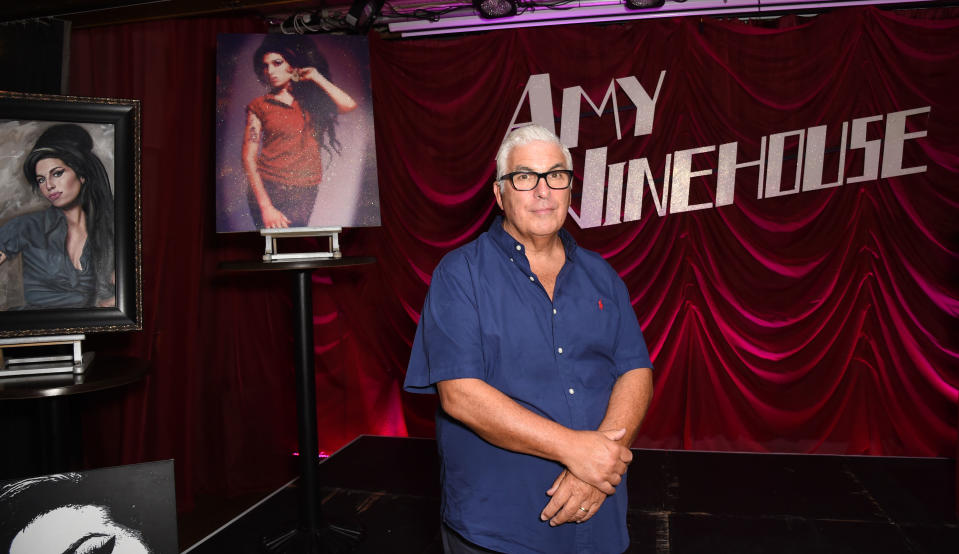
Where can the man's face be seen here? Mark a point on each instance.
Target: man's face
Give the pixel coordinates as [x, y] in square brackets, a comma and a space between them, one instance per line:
[539, 212]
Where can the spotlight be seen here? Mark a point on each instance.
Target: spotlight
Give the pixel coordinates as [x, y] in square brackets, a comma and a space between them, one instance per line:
[362, 13]
[491, 9]
[643, 4]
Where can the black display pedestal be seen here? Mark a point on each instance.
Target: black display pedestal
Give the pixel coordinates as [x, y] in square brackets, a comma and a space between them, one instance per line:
[44, 435]
[314, 534]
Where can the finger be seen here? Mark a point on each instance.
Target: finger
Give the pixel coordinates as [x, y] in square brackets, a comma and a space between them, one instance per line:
[552, 489]
[569, 512]
[626, 455]
[615, 434]
[615, 480]
[593, 508]
[556, 502]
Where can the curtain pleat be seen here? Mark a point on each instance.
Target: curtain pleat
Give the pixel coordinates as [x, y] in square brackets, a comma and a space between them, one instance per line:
[820, 322]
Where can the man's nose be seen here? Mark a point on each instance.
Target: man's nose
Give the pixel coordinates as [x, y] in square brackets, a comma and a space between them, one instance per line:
[541, 189]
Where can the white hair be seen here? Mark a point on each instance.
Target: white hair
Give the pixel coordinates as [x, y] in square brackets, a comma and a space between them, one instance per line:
[522, 136]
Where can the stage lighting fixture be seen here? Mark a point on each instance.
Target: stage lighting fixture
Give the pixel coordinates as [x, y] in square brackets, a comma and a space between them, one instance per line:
[643, 4]
[362, 13]
[491, 9]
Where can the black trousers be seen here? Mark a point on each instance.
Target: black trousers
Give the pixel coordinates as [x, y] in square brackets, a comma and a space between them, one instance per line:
[453, 543]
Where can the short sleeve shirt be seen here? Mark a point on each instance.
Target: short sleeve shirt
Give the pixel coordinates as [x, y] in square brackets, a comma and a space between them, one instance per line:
[486, 316]
[289, 152]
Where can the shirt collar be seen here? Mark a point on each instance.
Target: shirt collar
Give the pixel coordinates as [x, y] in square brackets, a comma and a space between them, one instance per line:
[271, 100]
[55, 224]
[509, 244]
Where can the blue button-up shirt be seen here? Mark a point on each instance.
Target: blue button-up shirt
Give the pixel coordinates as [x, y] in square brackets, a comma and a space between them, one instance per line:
[488, 317]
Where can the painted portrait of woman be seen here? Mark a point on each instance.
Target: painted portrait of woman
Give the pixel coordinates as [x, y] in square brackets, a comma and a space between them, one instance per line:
[57, 232]
[294, 135]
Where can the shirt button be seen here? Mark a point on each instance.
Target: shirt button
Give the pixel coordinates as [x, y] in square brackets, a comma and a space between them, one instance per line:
[518, 247]
[532, 278]
[560, 349]
[554, 311]
[511, 259]
[571, 391]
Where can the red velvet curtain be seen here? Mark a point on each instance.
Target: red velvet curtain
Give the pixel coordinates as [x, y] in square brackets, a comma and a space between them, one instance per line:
[817, 322]
[219, 398]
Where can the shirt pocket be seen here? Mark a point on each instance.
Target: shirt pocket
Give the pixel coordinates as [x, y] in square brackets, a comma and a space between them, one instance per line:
[594, 326]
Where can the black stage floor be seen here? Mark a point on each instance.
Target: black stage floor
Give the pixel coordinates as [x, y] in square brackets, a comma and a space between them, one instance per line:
[680, 502]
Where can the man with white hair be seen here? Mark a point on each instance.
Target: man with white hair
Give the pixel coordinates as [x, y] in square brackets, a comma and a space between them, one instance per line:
[541, 368]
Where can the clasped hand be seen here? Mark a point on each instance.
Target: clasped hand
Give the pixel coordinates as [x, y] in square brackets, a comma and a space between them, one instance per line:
[571, 500]
[598, 459]
[594, 470]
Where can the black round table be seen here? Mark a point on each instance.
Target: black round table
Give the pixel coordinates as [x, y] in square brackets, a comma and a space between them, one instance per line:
[315, 533]
[102, 373]
[60, 439]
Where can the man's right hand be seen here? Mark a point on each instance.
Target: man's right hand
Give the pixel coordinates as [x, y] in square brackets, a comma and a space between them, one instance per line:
[597, 458]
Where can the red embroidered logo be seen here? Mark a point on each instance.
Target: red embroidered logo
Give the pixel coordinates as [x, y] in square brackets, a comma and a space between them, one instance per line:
[600, 305]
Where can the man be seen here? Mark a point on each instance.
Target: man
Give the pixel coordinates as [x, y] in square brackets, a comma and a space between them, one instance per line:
[541, 368]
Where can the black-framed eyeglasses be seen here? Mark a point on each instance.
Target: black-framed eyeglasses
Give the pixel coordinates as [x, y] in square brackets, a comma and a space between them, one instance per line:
[557, 179]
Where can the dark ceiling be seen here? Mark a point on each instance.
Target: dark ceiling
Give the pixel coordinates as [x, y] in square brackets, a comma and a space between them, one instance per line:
[91, 13]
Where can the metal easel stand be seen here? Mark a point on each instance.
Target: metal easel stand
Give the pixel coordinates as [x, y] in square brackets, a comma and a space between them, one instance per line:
[272, 253]
[43, 357]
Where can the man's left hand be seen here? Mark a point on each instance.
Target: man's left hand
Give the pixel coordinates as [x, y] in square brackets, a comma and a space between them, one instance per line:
[572, 500]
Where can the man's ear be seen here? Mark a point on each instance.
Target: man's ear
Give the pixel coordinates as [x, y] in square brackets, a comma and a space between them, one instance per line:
[498, 194]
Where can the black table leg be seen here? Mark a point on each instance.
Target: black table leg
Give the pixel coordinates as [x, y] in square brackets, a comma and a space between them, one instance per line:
[310, 514]
[313, 534]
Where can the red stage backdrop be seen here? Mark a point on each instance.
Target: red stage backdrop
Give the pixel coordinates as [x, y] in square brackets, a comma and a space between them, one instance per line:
[781, 202]
[784, 214]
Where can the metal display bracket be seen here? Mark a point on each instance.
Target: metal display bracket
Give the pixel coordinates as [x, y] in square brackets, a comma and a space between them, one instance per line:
[45, 360]
[272, 253]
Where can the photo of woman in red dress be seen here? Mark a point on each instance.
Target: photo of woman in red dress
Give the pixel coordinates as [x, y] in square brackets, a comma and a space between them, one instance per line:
[306, 156]
[287, 128]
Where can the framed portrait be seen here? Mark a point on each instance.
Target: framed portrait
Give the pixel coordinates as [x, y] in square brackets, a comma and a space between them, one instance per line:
[70, 259]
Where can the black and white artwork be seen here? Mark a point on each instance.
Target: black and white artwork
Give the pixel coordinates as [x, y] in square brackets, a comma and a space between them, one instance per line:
[120, 510]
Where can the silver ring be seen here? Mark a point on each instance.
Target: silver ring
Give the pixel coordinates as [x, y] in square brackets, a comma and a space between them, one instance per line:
[584, 509]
